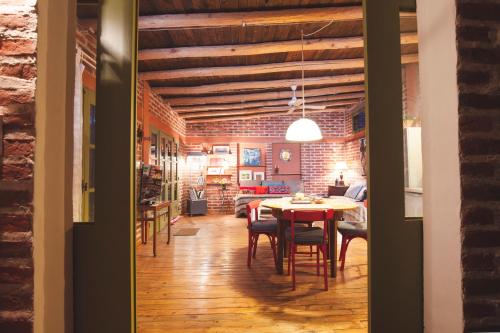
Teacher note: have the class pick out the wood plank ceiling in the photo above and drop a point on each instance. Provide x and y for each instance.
(214, 60)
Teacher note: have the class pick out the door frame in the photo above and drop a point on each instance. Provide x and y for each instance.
(105, 294)
(395, 246)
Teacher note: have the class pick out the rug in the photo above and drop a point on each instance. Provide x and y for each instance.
(187, 232)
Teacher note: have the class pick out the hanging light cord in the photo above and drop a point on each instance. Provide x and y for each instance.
(302, 62)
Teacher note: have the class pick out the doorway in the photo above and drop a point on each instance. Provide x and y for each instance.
(389, 256)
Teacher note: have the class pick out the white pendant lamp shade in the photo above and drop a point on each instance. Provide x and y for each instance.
(303, 130)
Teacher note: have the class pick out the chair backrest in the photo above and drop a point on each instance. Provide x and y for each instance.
(253, 206)
(309, 216)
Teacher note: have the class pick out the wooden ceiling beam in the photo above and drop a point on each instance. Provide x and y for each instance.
(262, 96)
(270, 109)
(239, 50)
(319, 65)
(255, 115)
(259, 85)
(232, 106)
(244, 19)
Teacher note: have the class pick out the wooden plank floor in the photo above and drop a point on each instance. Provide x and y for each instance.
(202, 284)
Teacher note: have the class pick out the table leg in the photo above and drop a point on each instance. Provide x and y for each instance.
(281, 246)
(154, 233)
(168, 224)
(332, 242)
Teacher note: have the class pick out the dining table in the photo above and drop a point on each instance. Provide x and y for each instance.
(279, 205)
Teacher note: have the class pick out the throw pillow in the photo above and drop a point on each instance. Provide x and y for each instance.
(353, 191)
(362, 194)
(249, 188)
(261, 189)
(283, 189)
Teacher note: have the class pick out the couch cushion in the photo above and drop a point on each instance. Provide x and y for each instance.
(283, 189)
(251, 183)
(261, 189)
(272, 183)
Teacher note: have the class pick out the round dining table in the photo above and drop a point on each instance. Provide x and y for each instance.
(278, 206)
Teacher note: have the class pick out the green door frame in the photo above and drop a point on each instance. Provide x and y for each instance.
(105, 250)
(395, 248)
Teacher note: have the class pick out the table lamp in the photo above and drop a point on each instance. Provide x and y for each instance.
(341, 166)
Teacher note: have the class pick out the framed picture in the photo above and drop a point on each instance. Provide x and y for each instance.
(245, 174)
(215, 171)
(259, 175)
(251, 156)
(220, 150)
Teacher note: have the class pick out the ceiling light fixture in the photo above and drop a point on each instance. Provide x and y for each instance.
(303, 129)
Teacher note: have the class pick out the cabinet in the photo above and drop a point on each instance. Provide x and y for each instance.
(337, 190)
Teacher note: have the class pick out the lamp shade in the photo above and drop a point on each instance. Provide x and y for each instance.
(341, 166)
(303, 130)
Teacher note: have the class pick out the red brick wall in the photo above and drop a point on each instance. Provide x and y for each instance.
(318, 159)
(478, 42)
(18, 22)
(331, 124)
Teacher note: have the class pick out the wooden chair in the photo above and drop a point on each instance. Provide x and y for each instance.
(257, 227)
(350, 231)
(312, 236)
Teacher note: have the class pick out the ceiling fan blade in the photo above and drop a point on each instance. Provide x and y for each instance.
(290, 111)
(315, 107)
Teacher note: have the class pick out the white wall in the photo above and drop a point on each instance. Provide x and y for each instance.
(439, 93)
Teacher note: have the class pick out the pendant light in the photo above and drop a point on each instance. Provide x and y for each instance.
(304, 129)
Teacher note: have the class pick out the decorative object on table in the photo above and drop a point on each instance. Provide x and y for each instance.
(259, 175)
(362, 155)
(221, 150)
(285, 155)
(245, 174)
(341, 166)
(215, 171)
(301, 198)
(304, 129)
(251, 157)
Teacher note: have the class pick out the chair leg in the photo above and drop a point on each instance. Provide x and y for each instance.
(289, 258)
(345, 253)
(272, 240)
(250, 247)
(325, 266)
(255, 245)
(342, 247)
(310, 251)
(294, 249)
(317, 260)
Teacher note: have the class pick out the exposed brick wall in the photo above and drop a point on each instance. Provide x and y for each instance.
(18, 41)
(317, 159)
(331, 124)
(478, 42)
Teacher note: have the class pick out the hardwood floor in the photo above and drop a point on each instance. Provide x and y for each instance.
(202, 284)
